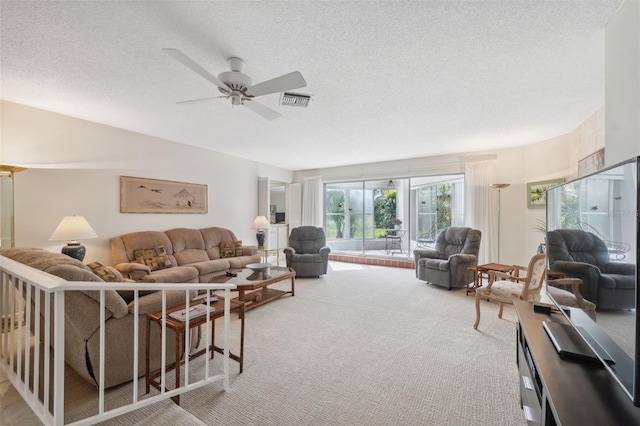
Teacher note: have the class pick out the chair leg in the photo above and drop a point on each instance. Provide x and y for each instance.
(500, 310)
(475, 326)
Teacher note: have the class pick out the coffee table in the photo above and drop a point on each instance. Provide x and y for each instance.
(252, 287)
(479, 270)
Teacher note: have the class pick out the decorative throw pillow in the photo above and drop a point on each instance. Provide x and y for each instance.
(155, 258)
(231, 249)
(107, 273)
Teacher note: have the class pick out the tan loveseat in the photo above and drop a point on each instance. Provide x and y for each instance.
(82, 318)
(180, 255)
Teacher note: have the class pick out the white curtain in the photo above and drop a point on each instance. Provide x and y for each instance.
(481, 206)
(312, 201)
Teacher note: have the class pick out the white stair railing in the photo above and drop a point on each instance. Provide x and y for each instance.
(20, 284)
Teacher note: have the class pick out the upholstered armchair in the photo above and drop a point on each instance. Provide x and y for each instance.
(307, 253)
(583, 255)
(446, 265)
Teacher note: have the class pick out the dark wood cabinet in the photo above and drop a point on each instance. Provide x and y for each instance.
(555, 391)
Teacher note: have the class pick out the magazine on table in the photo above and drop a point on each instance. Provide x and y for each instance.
(194, 312)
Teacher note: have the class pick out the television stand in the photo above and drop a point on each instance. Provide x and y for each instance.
(555, 391)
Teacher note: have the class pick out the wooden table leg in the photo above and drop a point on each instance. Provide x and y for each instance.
(147, 355)
(179, 336)
(293, 286)
(241, 300)
(241, 337)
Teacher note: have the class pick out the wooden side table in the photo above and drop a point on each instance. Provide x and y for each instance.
(479, 270)
(179, 327)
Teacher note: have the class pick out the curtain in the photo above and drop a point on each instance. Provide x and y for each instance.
(312, 201)
(481, 206)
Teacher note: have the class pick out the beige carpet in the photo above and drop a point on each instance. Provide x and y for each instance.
(364, 345)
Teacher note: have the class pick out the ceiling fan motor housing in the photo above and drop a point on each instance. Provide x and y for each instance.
(235, 79)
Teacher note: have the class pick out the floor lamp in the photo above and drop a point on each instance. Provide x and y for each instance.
(499, 187)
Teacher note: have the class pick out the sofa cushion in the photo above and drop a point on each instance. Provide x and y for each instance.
(211, 266)
(177, 274)
(213, 237)
(155, 258)
(188, 245)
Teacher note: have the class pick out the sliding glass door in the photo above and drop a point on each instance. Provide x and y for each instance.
(390, 217)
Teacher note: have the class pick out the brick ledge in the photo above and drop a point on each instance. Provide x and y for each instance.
(393, 263)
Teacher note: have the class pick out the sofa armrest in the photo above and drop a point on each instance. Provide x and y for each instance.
(621, 268)
(249, 250)
(133, 270)
(426, 252)
(153, 302)
(572, 268)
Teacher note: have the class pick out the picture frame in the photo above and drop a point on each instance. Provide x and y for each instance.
(591, 163)
(274, 209)
(536, 195)
(142, 195)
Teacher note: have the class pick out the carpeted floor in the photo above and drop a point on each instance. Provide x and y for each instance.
(363, 345)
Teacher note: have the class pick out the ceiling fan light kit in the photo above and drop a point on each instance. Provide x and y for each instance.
(239, 87)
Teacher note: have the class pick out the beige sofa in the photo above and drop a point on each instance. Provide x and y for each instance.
(180, 254)
(82, 318)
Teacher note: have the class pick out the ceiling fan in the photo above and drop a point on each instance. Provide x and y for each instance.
(238, 87)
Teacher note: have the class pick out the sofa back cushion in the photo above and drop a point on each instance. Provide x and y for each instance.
(188, 246)
(213, 237)
(135, 241)
(69, 269)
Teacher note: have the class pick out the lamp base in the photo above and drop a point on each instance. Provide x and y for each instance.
(77, 251)
(260, 236)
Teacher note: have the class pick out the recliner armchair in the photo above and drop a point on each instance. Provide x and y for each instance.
(307, 253)
(581, 254)
(446, 266)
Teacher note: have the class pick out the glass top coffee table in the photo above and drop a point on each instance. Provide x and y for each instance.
(253, 288)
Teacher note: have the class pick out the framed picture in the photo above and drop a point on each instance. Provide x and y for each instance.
(140, 195)
(536, 195)
(274, 208)
(591, 164)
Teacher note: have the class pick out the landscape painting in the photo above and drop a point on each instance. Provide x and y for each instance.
(536, 192)
(140, 195)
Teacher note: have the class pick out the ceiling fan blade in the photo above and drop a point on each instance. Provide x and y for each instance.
(264, 111)
(293, 80)
(199, 100)
(193, 66)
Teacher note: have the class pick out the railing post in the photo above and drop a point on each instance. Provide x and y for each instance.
(58, 350)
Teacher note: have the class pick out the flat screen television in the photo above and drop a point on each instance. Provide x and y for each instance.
(592, 233)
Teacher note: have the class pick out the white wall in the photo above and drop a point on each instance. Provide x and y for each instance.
(551, 159)
(74, 167)
(622, 84)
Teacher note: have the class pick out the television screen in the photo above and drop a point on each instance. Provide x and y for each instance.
(592, 229)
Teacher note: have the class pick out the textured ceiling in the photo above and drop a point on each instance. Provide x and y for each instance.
(388, 79)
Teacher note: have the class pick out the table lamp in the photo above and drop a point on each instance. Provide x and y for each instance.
(260, 223)
(73, 228)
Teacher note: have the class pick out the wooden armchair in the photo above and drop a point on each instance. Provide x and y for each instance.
(512, 286)
(571, 298)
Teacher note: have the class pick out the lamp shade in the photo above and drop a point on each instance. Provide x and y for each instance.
(260, 222)
(73, 228)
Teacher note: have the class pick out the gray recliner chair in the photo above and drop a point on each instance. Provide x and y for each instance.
(307, 253)
(581, 254)
(446, 266)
